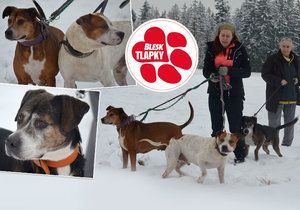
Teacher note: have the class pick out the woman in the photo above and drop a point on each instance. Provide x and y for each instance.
(281, 73)
(227, 63)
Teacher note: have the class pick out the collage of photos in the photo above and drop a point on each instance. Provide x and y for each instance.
(150, 104)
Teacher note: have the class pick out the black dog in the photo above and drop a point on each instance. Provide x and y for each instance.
(262, 135)
(47, 139)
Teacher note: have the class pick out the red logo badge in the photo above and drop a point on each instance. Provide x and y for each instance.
(162, 55)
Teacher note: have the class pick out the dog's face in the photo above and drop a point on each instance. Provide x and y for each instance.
(44, 122)
(248, 123)
(98, 28)
(21, 23)
(114, 116)
(226, 141)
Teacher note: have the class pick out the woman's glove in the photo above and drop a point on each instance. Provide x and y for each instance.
(223, 70)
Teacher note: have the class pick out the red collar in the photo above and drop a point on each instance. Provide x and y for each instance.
(45, 164)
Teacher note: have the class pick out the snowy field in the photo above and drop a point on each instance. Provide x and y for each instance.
(270, 184)
(71, 14)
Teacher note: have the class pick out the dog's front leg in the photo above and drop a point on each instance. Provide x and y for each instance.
(204, 173)
(133, 160)
(221, 170)
(256, 151)
(125, 158)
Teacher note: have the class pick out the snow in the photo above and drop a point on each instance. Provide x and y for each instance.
(272, 183)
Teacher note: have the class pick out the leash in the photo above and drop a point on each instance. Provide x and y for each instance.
(55, 14)
(124, 3)
(102, 6)
(267, 100)
(222, 99)
(178, 97)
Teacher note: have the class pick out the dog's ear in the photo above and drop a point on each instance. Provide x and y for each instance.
(122, 114)
(84, 20)
(220, 133)
(68, 111)
(33, 13)
(7, 11)
(254, 120)
(236, 136)
(29, 94)
(109, 108)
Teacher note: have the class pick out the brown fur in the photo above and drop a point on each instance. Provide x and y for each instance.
(48, 49)
(134, 132)
(92, 25)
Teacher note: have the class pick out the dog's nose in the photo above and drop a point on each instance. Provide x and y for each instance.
(121, 35)
(12, 142)
(102, 120)
(224, 148)
(8, 34)
(246, 131)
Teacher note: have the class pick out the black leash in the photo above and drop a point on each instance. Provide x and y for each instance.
(55, 14)
(124, 3)
(102, 6)
(178, 97)
(267, 100)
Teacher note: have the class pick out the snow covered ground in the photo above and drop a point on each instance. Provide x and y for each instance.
(271, 184)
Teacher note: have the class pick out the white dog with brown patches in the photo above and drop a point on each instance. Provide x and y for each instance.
(92, 49)
(204, 152)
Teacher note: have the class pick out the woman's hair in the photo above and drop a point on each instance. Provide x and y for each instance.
(224, 26)
(286, 39)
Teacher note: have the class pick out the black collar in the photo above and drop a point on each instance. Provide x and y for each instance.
(74, 52)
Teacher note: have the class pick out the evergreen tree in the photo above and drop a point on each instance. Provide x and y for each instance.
(184, 15)
(163, 14)
(223, 11)
(174, 13)
(145, 12)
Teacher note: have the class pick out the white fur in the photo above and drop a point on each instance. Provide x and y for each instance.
(249, 137)
(121, 142)
(198, 150)
(99, 65)
(153, 143)
(34, 68)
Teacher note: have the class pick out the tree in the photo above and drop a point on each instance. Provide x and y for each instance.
(145, 12)
(174, 13)
(223, 11)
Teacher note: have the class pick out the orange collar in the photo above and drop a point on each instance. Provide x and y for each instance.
(45, 164)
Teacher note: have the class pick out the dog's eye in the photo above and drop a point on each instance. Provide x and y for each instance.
(9, 21)
(40, 124)
(20, 118)
(20, 21)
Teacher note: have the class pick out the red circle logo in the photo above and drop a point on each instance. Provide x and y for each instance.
(162, 55)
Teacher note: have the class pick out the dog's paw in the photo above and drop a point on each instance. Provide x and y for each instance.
(169, 70)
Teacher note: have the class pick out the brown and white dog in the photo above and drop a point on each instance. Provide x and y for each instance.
(47, 139)
(36, 53)
(93, 50)
(137, 137)
(202, 151)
